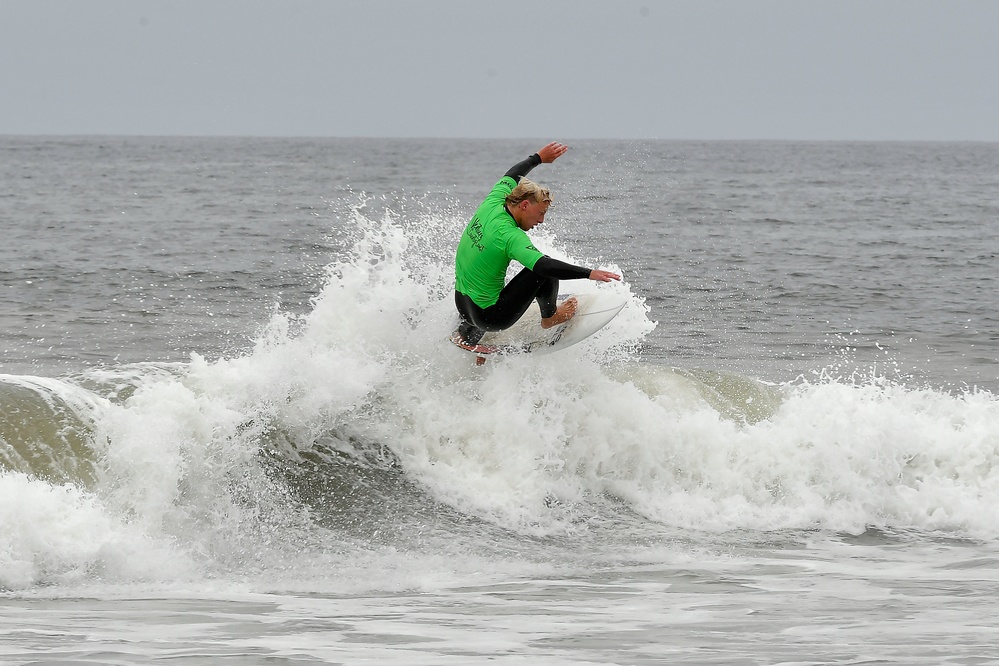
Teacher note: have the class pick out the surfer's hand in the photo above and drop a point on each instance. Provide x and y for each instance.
(552, 152)
(603, 276)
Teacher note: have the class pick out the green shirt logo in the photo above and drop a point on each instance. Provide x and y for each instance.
(489, 243)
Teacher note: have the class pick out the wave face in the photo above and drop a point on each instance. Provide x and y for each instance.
(354, 433)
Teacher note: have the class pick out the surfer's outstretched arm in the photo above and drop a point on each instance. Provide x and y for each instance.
(553, 268)
(521, 169)
(546, 155)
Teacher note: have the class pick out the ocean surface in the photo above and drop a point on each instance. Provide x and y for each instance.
(232, 430)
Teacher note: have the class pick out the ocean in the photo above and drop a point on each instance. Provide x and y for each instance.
(233, 430)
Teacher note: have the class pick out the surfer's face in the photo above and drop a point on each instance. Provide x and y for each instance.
(531, 214)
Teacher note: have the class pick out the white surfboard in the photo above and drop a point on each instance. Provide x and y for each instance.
(526, 336)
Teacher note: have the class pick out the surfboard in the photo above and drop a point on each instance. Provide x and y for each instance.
(527, 337)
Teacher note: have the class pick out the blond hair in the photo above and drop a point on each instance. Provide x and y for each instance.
(528, 190)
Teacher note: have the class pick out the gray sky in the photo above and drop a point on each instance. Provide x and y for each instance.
(690, 69)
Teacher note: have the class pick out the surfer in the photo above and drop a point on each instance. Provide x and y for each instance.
(497, 234)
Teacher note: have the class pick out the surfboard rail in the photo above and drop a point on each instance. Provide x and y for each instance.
(595, 310)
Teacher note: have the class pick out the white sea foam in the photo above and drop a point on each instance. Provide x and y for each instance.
(830, 456)
(534, 444)
(61, 534)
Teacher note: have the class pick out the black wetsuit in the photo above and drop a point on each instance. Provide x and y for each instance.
(540, 284)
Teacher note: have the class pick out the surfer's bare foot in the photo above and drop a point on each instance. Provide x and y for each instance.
(565, 312)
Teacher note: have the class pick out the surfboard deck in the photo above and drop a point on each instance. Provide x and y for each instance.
(527, 337)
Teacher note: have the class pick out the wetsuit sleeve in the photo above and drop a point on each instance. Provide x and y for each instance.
(553, 268)
(521, 169)
(520, 247)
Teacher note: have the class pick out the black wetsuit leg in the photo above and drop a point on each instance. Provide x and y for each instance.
(513, 302)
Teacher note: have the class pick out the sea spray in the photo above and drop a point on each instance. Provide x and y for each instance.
(356, 428)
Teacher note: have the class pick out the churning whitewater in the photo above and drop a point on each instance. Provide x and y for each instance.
(354, 428)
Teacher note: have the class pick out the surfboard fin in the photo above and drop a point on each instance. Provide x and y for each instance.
(477, 348)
